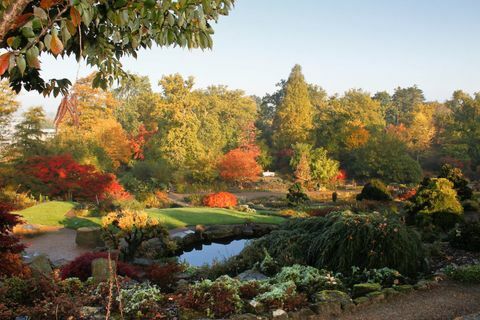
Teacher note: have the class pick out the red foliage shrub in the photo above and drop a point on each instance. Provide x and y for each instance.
(164, 276)
(81, 267)
(10, 245)
(250, 289)
(341, 175)
(62, 176)
(220, 200)
(240, 165)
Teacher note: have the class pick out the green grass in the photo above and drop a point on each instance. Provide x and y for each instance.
(52, 214)
(182, 217)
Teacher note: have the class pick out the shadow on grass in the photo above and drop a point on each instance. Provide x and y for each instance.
(78, 222)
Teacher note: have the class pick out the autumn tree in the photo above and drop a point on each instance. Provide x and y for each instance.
(404, 102)
(101, 32)
(293, 121)
(240, 165)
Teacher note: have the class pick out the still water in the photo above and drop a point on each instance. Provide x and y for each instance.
(213, 252)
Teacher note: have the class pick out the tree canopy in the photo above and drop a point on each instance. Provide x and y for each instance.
(99, 31)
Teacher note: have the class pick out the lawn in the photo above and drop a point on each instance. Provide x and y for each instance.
(53, 214)
(182, 217)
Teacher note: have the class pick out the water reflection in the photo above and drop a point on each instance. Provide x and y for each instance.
(209, 253)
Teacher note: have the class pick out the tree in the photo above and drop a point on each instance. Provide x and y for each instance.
(28, 139)
(461, 137)
(99, 31)
(8, 106)
(321, 168)
(61, 176)
(294, 116)
(240, 165)
(383, 157)
(404, 102)
(302, 170)
(385, 100)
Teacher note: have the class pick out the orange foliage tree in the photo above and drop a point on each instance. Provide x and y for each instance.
(240, 164)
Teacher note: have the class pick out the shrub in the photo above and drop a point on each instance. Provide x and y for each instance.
(220, 200)
(164, 275)
(292, 213)
(466, 236)
(471, 205)
(195, 199)
(375, 190)
(460, 183)
(437, 199)
(466, 273)
(17, 200)
(320, 212)
(133, 227)
(366, 240)
(384, 276)
(296, 195)
(81, 267)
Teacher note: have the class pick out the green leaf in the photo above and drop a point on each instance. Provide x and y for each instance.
(21, 64)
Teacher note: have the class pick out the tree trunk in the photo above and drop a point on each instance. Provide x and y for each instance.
(11, 13)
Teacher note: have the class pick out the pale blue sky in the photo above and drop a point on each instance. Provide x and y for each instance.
(341, 44)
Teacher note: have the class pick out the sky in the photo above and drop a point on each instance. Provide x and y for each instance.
(375, 45)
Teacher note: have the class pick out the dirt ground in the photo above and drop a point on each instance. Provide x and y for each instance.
(447, 301)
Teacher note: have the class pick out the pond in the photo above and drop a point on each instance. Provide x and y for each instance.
(210, 253)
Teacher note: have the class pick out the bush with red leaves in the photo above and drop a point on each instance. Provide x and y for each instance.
(62, 176)
(407, 194)
(220, 200)
(81, 267)
(164, 276)
(10, 245)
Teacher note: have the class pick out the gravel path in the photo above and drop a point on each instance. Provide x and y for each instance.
(447, 301)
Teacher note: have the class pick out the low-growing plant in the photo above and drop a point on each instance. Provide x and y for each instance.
(385, 276)
(141, 301)
(308, 279)
(164, 276)
(283, 295)
(217, 299)
(466, 273)
(375, 190)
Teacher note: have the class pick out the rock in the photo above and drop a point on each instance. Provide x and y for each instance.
(327, 309)
(422, 285)
(59, 262)
(182, 234)
(152, 249)
(302, 314)
(40, 266)
(248, 231)
(191, 239)
(22, 318)
(362, 289)
(390, 292)
(405, 288)
(279, 314)
(362, 301)
(92, 313)
(247, 316)
(89, 237)
(143, 262)
(251, 275)
(218, 232)
(101, 269)
(334, 296)
(376, 296)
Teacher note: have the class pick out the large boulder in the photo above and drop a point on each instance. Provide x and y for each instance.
(40, 266)
(251, 275)
(362, 289)
(102, 269)
(89, 237)
(334, 296)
